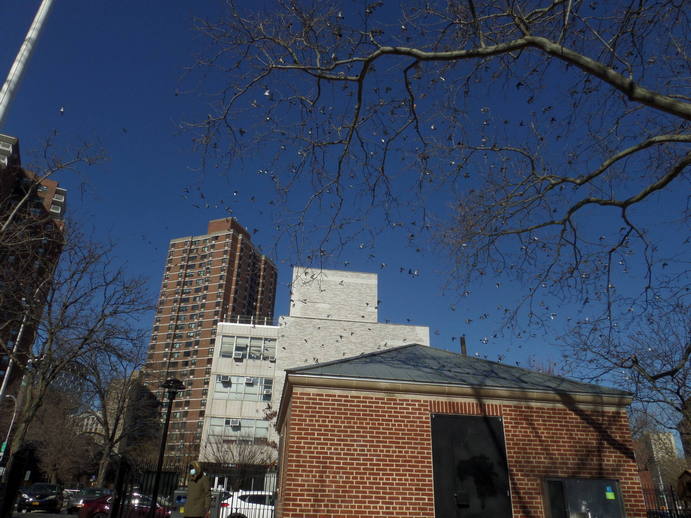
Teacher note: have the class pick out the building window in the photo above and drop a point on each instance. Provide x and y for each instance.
(239, 429)
(253, 348)
(583, 497)
(243, 388)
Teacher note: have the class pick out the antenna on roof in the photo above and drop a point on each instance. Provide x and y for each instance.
(464, 349)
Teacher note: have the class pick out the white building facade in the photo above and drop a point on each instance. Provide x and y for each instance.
(333, 314)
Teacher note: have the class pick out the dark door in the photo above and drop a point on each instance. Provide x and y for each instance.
(471, 478)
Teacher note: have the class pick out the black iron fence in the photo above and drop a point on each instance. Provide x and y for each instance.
(665, 503)
(134, 484)
(236, 492)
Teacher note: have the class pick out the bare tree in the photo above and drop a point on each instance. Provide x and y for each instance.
(64, 451)
(241, 457)
(91, 305)
(543, 142)
(126, 412)
(31, 240)
(646, 354)
(20, 190)
(656, 452)
(376, 108)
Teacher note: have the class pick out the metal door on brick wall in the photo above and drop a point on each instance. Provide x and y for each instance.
(471, 476)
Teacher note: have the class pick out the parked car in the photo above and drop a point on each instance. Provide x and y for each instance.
(76, 500)
(248, 504)
(681, 513)
(40, 497)
(68, 492)
(137, 507)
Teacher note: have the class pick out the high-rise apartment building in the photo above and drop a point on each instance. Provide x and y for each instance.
(210, 278)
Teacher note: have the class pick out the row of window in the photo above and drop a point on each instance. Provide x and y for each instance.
(196, 320)
(181, 336)
(246, 347)
(197, 248)
(238, 429)
(187, 269)
(185, 354)
(243, 388)
(203, 255)
(191, 325)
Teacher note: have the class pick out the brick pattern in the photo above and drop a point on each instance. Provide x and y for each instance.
(357, 456)
(316, 293)
(371, 455)
(568, 442)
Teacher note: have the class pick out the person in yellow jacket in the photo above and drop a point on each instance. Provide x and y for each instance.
(198, 493)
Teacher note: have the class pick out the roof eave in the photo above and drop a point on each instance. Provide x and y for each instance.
(441, 389)
(283, 405)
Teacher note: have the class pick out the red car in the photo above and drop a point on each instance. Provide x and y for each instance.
(138, 507)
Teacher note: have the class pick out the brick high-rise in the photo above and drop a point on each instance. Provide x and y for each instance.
(215, 277)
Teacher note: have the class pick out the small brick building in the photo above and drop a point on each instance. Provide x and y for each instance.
(415, 431)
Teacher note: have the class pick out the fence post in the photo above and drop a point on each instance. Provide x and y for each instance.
(674, 508)
(120, 480)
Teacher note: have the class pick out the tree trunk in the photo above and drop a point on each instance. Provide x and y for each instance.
(103, 466)
(14, 475)
(18, 454)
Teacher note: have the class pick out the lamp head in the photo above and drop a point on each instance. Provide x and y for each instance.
(173, 386)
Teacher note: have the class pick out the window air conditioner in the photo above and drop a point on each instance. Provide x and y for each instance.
(237, 356)
(267, 392)
(249, 381)
(235, 423)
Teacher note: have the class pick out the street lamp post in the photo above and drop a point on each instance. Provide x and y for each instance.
(172, 387)
(16, 346)
(9, 430)
(22, 57)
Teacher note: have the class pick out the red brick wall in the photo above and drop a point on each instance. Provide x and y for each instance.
(371, 455)
(559, 442)
(357, 456)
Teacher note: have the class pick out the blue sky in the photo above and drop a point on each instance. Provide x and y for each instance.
(119, 71)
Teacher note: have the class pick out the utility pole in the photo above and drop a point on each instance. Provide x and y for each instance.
(22, 58)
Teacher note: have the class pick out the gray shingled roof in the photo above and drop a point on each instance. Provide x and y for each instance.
(421, 364)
